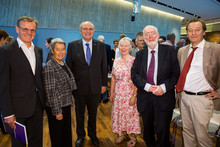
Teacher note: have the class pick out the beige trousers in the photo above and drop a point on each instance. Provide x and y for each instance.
(196, 111)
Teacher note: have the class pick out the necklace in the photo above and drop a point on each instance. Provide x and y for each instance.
(61, 63)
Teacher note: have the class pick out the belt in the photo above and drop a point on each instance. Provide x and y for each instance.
(197, 93)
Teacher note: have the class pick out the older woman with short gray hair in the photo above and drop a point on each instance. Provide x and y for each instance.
(125, 117)
(59, 84)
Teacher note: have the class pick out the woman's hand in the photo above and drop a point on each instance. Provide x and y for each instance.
(59, 116)
(112, 97)
(132, 100)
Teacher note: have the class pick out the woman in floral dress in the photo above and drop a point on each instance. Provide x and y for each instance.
(125, 117)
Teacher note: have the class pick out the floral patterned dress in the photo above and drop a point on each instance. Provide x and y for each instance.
(124, 117)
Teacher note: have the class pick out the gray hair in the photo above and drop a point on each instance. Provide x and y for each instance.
(27, 19)
(126, 39)
(85, 22)
(101, 38)
(56, 40)
(139, 34)
(149, 26)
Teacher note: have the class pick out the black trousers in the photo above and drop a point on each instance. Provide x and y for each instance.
(156, 122)
(34, 128)
(60, 130)
(92, 102)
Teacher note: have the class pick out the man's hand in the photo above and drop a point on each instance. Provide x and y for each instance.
(59, 116)
(158, 91)
(103, 89)
(152, 88)
(11, 121)
(212, 95)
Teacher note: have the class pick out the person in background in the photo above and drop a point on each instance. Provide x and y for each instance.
(49, 55)
(198, 84)
(117, 52)
(162, 39)
(139, 43)
(170, 40)
(3, 40)
(115, 43)
(9, 39)
(101, 38)
(125, 118)
(133, 43)
(3, 37)
(87, 60)
(22, 93)
(155, 73)
(59, 84)
(108, 52)
(180, 44)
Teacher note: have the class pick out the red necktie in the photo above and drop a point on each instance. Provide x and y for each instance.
(181, 82)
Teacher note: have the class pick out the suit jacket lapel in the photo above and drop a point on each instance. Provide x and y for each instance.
(160, 62)
(22, 56)
(81, 51)
(94, 50)
(38, 59)
(145, 60)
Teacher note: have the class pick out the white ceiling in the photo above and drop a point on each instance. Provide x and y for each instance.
(208, 10)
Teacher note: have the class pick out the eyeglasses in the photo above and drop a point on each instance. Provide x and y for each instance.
(87, 29)
(26, 30)
(150, 34)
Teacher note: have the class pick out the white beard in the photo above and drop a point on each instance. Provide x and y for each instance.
(152, 44)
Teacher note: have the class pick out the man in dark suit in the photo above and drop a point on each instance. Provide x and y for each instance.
(21, 88)
(101, 38)
(87, 60)
(155, 72)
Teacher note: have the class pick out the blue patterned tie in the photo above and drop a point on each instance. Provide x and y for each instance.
(150, 73)
(88, 54)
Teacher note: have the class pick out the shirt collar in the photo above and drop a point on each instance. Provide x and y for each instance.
(21, 43)
(84, 42)
(200, 45)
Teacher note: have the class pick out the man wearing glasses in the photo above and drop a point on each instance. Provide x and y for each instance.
(155, 73)
(139, 41)
(21, 89)
(88, 62)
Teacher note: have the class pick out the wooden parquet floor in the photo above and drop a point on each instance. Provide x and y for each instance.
(104, 131)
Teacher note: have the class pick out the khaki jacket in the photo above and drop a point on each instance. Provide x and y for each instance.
(211, 66)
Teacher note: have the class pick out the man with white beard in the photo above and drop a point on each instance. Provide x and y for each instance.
(155, 73)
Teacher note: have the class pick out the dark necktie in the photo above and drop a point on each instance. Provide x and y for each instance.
(88, 54)
(181, 82)
(150, 73)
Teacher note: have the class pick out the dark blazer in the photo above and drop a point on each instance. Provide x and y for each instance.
(168, 73)
(18, 83)
(58, 86)
(109, 57)
(89, 79)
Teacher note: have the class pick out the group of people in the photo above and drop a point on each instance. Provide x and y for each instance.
(143, 83)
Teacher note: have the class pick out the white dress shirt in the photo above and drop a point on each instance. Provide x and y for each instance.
(29, 53)
(195, 79)
(147, 86)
